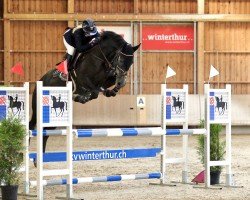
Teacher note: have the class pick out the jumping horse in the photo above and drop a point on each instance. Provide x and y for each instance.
(95, 71)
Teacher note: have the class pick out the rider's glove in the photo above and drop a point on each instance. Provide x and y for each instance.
(94, 41)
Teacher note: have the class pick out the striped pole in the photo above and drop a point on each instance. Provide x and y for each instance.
(185, 131)
(121, 132)
(112, 178)
(118, 132)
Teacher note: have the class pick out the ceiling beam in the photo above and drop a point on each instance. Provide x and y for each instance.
(133, 17)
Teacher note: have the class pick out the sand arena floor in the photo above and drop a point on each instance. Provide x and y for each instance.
(140, 189)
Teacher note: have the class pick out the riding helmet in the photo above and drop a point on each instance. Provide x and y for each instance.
(89, 27)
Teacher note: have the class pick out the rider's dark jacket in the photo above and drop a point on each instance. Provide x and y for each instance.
(77, 38)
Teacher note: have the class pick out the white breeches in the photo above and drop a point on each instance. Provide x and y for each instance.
(70, 49)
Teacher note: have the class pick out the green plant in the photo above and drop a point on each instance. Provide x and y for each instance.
(12, 134)
(217, 147)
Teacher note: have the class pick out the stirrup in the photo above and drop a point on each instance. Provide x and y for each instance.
(63, 77)
(56, 73)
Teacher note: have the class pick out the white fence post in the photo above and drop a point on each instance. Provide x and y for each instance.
(46, 117)
(218, 111)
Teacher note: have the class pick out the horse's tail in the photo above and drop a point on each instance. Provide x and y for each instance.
(66, 105)
(183, 103)
(226, 104)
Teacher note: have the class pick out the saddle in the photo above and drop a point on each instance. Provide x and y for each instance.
(72, 66)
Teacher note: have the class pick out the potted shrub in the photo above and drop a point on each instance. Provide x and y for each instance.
(12, 134)
(217, 150)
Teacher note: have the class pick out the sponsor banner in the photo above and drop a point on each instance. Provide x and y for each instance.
(218, 104)
(99, 155)
(168, 37)
(124, 31)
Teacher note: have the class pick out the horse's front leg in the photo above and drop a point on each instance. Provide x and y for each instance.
(82, 98)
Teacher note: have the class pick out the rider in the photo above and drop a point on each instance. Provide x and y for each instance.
(80, 38)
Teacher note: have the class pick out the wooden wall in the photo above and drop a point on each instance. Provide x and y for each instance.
(227, 46)
(37, 6)
(167, 6)
(1, 41)
(154, 71)
(104, 6)
(38, 44)
(227, 6)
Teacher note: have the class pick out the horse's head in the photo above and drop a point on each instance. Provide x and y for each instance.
(120, 55)
(125, 58)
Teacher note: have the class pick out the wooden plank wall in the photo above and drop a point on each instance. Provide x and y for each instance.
(154, 64)
(104, 6)
(167, 6)
(1, 41)
(229, 52)
(38, 44)
(227, 7)
(227, 45)
(154, 71)
(37, 6)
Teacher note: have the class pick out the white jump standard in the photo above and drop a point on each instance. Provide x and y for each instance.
(46, 118)
(214, 115)
(16, 99)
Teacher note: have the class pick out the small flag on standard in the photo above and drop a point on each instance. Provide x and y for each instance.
(18, 69)
(213, 72)
(170, 72)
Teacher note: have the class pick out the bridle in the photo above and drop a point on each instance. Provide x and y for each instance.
(111, 64)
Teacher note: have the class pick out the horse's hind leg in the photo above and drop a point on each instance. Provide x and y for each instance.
(45, 138)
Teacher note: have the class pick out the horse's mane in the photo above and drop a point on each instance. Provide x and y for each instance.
(113, 36)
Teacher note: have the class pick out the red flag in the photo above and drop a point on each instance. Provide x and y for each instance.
(17, 69)
(199, 178)
(62, 67)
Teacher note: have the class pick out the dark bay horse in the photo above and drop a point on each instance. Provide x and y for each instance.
(105, 65)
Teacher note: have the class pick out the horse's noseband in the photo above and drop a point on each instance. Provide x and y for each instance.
(113, 65)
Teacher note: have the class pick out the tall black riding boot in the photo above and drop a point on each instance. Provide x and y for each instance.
(69, 60)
